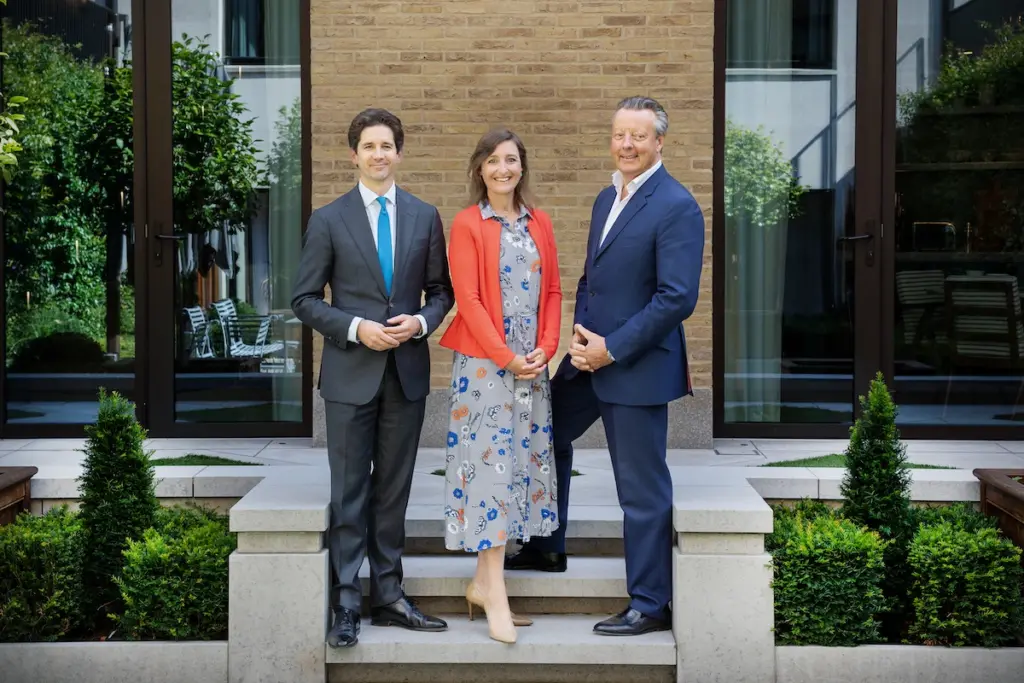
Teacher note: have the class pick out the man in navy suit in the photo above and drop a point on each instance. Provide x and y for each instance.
(627, 359)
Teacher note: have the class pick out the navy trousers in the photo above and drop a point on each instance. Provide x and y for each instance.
(637, 441)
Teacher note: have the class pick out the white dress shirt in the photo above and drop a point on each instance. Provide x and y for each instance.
(373, 209)
(631, 189)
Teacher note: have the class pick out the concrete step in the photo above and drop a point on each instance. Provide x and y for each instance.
(590, 585)
(552, 640)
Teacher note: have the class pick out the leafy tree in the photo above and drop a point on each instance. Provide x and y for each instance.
(9, 147)
(215, 169)
(54, 248)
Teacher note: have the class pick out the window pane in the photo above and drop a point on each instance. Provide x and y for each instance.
(789, 188)
(237, 209)
(68, 234)
(959, 328)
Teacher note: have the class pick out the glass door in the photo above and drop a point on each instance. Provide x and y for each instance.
(797, 228)
(70, 290)
(955, 172)
(227, 210)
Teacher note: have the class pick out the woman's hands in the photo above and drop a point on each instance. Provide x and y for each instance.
(529, 366)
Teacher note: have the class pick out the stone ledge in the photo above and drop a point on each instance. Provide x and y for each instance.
(903, 663)
(731, 509)
(551, 640)
(448, 576)
(284, 504)
(114, 662)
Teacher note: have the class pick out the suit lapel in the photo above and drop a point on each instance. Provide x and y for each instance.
(636, 203)
(599, 219)
(354, 217)
(406, 229)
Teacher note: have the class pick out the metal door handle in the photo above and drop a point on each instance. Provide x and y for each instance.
(854, 238)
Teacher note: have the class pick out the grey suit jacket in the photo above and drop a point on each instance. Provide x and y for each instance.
(338, 249)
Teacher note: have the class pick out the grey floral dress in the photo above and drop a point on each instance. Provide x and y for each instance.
(500, 468)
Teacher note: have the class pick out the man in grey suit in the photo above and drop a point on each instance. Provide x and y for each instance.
(382, 251)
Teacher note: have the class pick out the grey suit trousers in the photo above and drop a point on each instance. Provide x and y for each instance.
(368, 509)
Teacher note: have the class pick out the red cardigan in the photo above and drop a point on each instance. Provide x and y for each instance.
(478, 329)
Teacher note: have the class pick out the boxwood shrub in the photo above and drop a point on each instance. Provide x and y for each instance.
(966, 587)
(174, 585)
(828, 576)
(40, 577)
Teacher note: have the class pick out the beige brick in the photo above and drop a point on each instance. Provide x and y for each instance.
(550, 69)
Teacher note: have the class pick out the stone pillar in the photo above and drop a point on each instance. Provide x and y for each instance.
(278, 594)
(723, 606)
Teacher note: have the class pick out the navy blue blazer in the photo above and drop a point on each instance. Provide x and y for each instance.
(638, 287)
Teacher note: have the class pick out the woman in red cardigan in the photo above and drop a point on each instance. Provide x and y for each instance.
(500, 458)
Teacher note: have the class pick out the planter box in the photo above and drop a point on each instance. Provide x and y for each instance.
(114, 662)
(1003, 498)
(902, 663)
(15, 492)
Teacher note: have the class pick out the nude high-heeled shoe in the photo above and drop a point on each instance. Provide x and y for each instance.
(473, 594)
(503, 633)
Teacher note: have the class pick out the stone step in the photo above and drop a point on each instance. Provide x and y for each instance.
(590, 585)
(585, 577)
(552, 640)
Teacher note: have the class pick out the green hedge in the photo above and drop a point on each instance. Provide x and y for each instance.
(966, 587)
(174, 585)
(40, 577)
(828, 578)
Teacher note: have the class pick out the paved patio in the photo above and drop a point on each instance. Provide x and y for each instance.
(727, 452)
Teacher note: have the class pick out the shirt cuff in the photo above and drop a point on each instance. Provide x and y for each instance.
(423, 327)
(353, 329)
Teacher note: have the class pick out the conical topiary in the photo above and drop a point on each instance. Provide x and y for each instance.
(876, 486)
(118, 500)
(876, 493)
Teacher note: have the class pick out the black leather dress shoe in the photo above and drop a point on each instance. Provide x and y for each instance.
(404, 613)
(528, 558)
(345, 631)
(629, 622)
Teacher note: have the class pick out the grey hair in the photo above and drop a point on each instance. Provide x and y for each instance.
(641, 103)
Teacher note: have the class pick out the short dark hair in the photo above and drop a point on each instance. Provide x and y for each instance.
(375, 117)
(484, 148)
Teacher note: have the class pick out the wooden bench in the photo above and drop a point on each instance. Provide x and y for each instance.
(15, 491)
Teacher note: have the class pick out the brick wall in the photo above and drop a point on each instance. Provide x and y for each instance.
(552, 71)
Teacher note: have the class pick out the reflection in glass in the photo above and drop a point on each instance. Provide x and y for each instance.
(789, 172)
(237, 211)
(959, 330)
(67, 228)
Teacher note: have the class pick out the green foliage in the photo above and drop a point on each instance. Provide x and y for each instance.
(118, 500)
(9, 146)
(175, 580)
(828, 575)
(993, 77)
(960, 515)
(77, 166)
(284, 163)
(759, 184)
(215, 167)
(876, 484)
(966, 588)
(876, 492)
(787, 519)
(40, 576)
(55, 249)
(58, 352)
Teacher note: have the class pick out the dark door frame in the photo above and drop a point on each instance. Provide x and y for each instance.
(869, 162)
(157, 250)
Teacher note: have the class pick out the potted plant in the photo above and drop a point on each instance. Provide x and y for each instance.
(1002, 497)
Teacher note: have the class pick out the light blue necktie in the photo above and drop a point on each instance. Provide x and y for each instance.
(384, 243)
